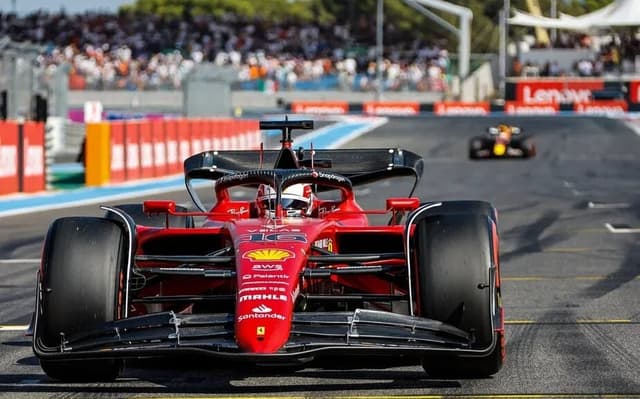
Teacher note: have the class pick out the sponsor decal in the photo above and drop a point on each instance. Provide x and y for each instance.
(325, 243)
(146, 150)
(281, 236)
(262, 297)
(34, 160)
(461, 108)
(268, 254)
(261, 289)
(260, 331)
(172, 151)
(158, 154)
(557, 91)
(254, 316)
(518, 108)
(262, 276)
(240, 211)
(252, 289)
(320, 107)
(262, 309)
(262, 267)
(601, 107)
(133, 160)
(8, 160)
(391, 108)
(117, 157)
(634, 91)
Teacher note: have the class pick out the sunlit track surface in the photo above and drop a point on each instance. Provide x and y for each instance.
(571, 286)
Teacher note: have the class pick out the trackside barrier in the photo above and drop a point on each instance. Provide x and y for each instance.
(9, 176)
(22, 157)
(159, 147)
(174, 165)
(120, 151)
(31, 154)
(455, 108)
(97, 154)
(147, 167)
(117, 156)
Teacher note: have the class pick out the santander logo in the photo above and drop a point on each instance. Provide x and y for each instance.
(262, 309)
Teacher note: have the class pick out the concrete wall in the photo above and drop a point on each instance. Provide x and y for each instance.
(172, 101)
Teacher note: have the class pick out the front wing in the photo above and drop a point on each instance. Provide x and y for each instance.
(365, 332)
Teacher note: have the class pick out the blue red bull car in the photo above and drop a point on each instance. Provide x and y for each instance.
(502, 141)
(296, 273)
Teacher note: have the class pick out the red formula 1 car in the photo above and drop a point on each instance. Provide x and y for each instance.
(502, 141)
(299, 273)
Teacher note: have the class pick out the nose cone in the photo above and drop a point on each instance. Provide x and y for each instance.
(263, 322)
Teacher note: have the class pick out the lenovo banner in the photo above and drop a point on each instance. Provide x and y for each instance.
(461, 108)
(634, 91)
(564, 91)
(320, 107)
(9, 177)
(132, 150)
(518, 108)
(391, 108)
(603, 107)
(117, 154)
(32, 168)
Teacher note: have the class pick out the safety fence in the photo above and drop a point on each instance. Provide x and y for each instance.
(119, 151)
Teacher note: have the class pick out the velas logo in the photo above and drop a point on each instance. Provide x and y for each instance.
(270, 254)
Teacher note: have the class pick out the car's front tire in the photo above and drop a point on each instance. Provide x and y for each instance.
(454, 262)
(81, 288)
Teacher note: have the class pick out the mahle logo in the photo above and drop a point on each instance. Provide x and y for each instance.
(270, 254)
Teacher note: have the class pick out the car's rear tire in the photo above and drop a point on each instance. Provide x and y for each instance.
(526, 145)
(81, 285)
(454, 259)
(153, 220)
(475, 145)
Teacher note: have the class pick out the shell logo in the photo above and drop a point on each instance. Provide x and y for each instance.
(268, 254)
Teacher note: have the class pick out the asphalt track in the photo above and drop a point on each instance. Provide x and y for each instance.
(570, 264)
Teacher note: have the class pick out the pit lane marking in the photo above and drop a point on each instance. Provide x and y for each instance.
(621, 229)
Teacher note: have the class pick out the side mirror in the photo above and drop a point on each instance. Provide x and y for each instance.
(159, 206)
(403, 204)
(493, 131)
(515, 130)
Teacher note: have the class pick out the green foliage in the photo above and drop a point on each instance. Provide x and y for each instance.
(403, 18)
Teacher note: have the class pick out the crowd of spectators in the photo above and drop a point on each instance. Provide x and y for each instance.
(617, 54)
(107, 51)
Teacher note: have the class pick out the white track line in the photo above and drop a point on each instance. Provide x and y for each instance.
(13, 327)
(19, 261)
(605, 205)
(621, 230)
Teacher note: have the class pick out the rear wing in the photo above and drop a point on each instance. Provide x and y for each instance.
(358, 165)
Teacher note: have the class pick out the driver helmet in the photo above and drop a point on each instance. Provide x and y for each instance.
(296, 200)
(504, 130)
